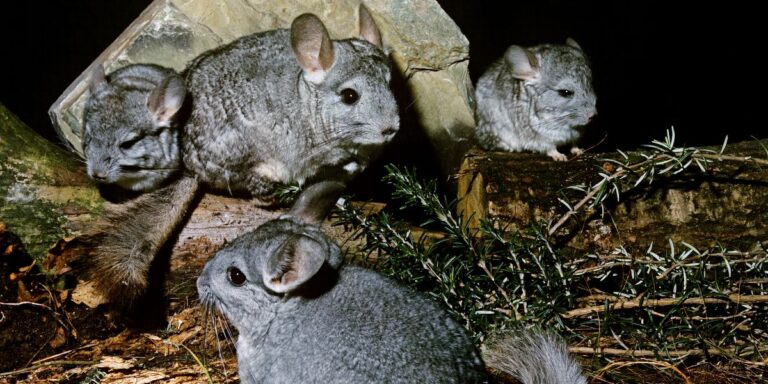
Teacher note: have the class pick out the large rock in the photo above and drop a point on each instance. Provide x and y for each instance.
(427, 47)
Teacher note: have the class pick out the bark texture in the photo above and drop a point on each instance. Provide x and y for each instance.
(727, 204)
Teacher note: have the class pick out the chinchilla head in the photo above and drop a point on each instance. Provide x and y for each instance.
(249, 278)
(130, 137)
(348, 88)
(557, 80)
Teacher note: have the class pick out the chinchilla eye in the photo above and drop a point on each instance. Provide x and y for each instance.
(349, 96)
(565, 93)
(235, 276)
(128, 143)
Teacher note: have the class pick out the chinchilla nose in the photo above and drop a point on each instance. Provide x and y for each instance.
(592, 115)
(99, 174)
(388, 131)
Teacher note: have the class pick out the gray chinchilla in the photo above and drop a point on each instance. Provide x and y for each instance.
(287, 106)
(303, 318)
(535, 99)
(131, 130)
(272, 108)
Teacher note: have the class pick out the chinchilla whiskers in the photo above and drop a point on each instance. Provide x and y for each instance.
(209, 312)
(226, 330)
(206, 317)
(214, 316)
(566, 119)
(321, 148)
(408, 107)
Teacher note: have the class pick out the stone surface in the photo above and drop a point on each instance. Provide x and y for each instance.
(427, 47)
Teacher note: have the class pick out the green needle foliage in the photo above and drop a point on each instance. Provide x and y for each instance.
(669, 302)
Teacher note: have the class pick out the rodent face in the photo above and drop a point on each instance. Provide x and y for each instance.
(357, 104)
(232, 281)
(122, 143)
(565, 98)
(249, 278)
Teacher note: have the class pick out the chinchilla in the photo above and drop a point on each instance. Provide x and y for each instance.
(535, 99)
(268, 109)
(131, 126)
(287, 106)
(303, 318)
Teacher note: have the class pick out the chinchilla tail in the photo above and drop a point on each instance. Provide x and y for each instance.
(122, 251)
(533, 357)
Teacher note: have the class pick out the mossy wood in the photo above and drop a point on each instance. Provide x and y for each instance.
(727, 204)
(45, 196)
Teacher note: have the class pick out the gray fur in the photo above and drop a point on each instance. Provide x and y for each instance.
(365, 328)
(131, 135)
(134, 234)
(546, 358)
(357, 326)
(259, 120)
(316, 201)
(519, 101)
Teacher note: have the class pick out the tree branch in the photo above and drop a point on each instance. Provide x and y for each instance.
(631, 304)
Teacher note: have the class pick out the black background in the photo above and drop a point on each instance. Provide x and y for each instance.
(695, 67)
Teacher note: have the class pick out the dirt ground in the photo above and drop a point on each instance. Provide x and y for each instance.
(46, 335)
(50, 334)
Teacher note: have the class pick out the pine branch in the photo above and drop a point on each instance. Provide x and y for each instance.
(662, 158)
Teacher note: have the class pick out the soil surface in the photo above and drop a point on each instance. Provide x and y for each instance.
(47, 336)
(48, 333)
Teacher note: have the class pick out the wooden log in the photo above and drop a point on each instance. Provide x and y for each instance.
(45, 194)
(728, 204)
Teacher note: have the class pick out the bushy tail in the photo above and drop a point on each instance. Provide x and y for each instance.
(533, 357)
(122, 252)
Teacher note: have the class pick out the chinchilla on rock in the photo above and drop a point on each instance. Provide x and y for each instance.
(286, 106)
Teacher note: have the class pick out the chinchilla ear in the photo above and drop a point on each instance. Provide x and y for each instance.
(314, 203)
(166, 99)
(368, 29)
(98, 79)
(572, 43)
(525, 65)
(293, 264)
(312, 46)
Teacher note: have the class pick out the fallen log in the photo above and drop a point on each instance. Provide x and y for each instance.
(46, 196)
(726, 204)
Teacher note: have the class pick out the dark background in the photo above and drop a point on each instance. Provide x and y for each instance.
(655, 65)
